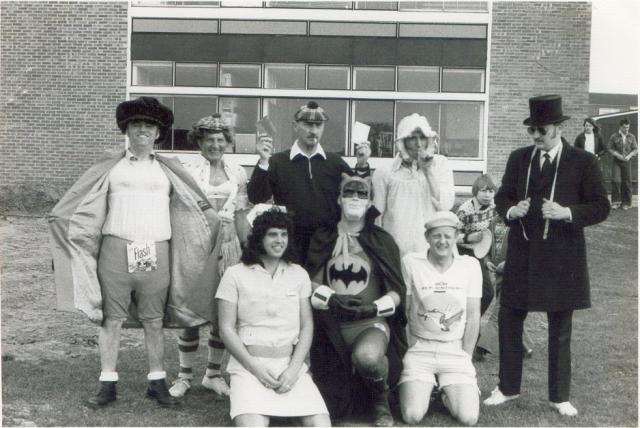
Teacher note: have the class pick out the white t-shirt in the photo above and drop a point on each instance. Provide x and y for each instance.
(268, 308)
(438, 309)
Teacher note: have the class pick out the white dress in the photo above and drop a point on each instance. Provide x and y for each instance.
(403, 197)
(268, 314)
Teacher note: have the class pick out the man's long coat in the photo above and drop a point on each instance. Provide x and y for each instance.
(76, 227)
(550, 275)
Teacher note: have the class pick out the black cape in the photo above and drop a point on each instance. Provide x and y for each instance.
(330, 358)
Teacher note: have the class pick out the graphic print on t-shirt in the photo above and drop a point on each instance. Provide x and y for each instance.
(348, 275)
(440, 312)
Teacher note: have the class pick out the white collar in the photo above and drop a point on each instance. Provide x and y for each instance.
(552, 153)
(128, 154)
(295, 151)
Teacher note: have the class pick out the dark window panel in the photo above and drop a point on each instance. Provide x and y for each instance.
(188, 110)
(379, 116)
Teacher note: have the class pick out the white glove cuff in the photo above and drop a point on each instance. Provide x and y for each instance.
(385, 306)
(320, 297)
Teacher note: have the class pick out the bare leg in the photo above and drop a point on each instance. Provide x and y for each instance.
(109, 342)
(414, 400)
(251, 420)
(463, 401)
(154, 342)
(321, 420)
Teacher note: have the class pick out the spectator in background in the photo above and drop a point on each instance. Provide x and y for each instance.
(418, 184)
(305, 179)
(622, 146)
(590, 140)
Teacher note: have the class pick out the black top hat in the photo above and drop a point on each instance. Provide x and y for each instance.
(544, 110)
(144, 108)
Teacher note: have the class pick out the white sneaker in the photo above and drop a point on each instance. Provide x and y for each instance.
(180, 387)
(565, 408)
(216, 384)
(497, 397)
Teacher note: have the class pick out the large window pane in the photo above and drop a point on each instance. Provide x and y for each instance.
(193, 74)
(152, 73)
(240, 75)
(242, 114)
(328, 77)
(281, 110)
(418, 79)
(374, 78)
(284, 76)
(462, 80)
(461, 129)
(379, 116)
(188, 110)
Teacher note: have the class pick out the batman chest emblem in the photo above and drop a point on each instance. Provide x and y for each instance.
(348, 276)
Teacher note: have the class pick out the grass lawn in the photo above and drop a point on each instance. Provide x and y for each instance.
(50, 360)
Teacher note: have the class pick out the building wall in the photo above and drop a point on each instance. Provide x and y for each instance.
(63, 71)
(537, 48)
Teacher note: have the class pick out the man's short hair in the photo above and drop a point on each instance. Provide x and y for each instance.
(624, 122)
(481, 182)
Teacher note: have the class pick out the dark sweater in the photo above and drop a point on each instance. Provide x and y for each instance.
(310, 192)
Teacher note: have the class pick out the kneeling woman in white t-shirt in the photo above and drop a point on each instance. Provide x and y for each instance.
(266, 324)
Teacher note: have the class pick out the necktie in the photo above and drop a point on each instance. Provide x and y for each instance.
(547, 169)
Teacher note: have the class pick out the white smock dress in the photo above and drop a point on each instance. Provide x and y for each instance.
(403, 197)
(268, 315)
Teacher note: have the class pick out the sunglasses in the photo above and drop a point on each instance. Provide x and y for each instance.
(532, 130)
(351, 193)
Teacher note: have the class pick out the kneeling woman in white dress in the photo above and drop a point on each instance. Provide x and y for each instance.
(266, 324)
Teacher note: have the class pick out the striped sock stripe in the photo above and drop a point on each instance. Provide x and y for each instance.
(192, 348)
(213, 366)
(186, 370)
(216, 343)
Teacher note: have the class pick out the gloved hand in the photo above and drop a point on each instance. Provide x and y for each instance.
(342, 306)
(365, 311)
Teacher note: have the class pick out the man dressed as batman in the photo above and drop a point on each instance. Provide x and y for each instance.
(359, 338)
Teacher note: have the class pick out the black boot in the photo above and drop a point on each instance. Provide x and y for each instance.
(104, 397)
(379, 392)
(158, 391)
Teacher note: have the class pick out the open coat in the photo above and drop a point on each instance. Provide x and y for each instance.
(330, 358)
(550, 275)
(76, 227)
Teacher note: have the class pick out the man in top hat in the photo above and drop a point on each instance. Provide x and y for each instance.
(305, 179)
(550, 191)
(130, 259)
(359, 337)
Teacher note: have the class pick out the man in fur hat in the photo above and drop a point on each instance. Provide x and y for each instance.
(550, 191)
(359, 300)
(128, 250)
(304, 178)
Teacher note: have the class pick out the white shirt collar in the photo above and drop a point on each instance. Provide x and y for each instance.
(295, 151)
(130, 156)
(552, 153)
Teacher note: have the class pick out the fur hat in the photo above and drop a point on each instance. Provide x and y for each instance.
(144, 108)
(442, 218)
(311, 112)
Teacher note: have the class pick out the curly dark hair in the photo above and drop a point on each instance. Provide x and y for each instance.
(194, 136)
(253, 249)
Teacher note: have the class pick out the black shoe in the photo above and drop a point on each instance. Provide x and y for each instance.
(104, 397)
(158, 391)
(379, 392)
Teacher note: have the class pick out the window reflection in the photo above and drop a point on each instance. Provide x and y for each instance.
(240, 75)
(379, 116)
(242, 114)
(462, 80)
(152, 73)
(461, 131)
(284, 76)
(374, 78)
(328, 77)
(418, 79)
(193, 74)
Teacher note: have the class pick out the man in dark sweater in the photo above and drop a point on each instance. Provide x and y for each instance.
(305, 179)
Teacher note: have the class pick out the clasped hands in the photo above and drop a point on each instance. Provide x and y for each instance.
(281, 384)
(346, 307)
(550, 210)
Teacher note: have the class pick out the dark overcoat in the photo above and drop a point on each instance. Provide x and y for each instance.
(599, 148)
(550, 274)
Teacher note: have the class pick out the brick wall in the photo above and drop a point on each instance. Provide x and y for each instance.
(537, 48)
(63, 71)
